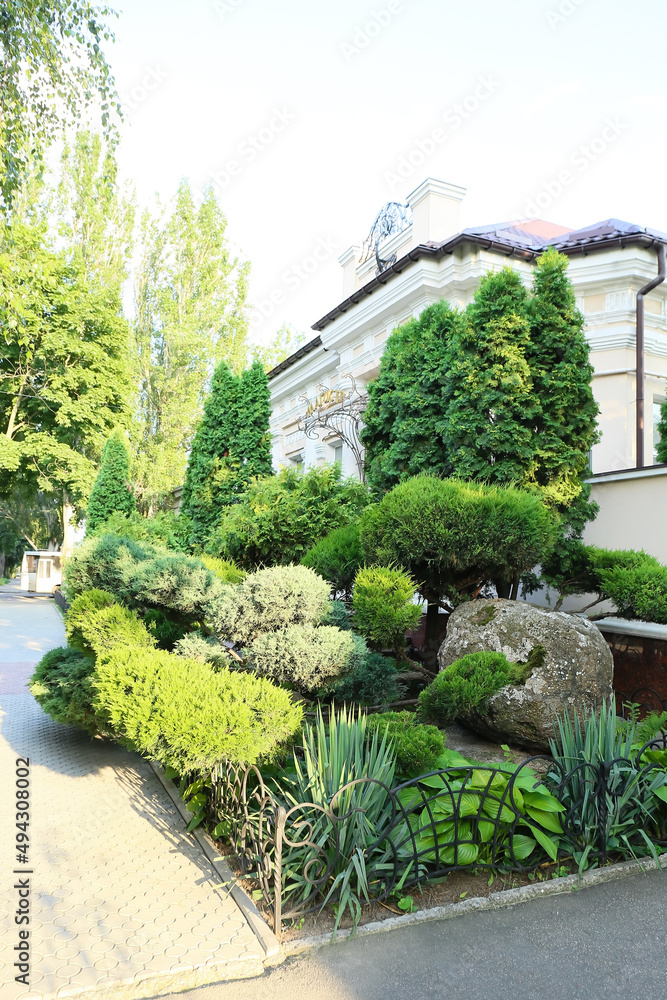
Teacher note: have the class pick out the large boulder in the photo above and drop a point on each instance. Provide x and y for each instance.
(575, 671)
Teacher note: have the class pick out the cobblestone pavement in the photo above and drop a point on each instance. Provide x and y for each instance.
(122, 898)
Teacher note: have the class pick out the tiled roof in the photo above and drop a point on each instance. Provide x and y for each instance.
(526, 238)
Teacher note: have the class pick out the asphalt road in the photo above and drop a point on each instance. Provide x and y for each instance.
(605, 942)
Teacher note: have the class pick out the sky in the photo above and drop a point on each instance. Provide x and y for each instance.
(307, 117)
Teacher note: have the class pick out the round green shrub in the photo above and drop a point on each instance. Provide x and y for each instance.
(95, 623)
(225, 569)
(374, 681)
(181, 713)
(306, 656)
(337, 558)
(383, 606)
(62, 686)
(465, 685)
(417, 747)
(204, 649)
(267, 600)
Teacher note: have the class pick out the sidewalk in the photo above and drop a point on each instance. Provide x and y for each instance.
(122, 899)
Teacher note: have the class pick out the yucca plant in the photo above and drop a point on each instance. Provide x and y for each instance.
(329, 850)
(612, 795)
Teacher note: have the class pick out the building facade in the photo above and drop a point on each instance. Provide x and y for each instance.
(417, 254)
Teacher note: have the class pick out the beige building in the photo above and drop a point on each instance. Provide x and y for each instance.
(416, 254)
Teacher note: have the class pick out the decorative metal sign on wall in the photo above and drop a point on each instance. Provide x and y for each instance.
(392, 218)
(340, 412)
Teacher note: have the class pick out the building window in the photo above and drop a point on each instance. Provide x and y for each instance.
(297, 459)
(338, 453)
(657, 404)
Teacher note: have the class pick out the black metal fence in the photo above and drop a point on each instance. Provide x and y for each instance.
(383, 840)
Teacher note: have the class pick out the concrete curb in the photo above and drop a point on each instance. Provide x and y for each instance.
(273, 952)
(495, 901)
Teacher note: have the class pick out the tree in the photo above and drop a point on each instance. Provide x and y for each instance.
(455, 537)
(232, 444)
(64, 378)
(491, 416)
(286, 342)
(661, 451)
(405, 430)
(51, 68)
(565, 427)
(111, 491)
(190, 293)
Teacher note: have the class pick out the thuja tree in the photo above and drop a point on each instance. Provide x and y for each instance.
(111, 491)
(231, 445)
(405, 430)
(491, 416)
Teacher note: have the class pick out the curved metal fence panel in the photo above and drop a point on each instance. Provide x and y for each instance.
(497, 816)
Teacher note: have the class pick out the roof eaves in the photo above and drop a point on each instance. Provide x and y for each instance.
(305, 349)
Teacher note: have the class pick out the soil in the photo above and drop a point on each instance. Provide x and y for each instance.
(450, 889)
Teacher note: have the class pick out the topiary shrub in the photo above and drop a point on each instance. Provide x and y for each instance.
(374, 681)
(467, 684)
(634, 581)
(280, 517)
(62, 686)
(306, 656)
(196, 646)
(417, 747)
(337, 558)
(267, 600)
(111, 492)
(179, 712)
(95, 623)
(383, 607)
(337, 614)
(225, 569)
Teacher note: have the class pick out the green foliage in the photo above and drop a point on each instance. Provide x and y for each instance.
(111, 493)
(636, 792)
(79, 613)
(405, 430)
(224, 569)
(649, 727)
(196, 646)
(280, 517)
(62, 686)
(53, 69)
(337, 557)
(169, 590)
(383, 607)
(373, 681)
(267, 600)
(63, 335)
(331, 757)
(97, 626)
(417, 747)
(191, 291)
(464, 686)
(306, 656)
(162, 529)
(661, 450)
(231, 446)
(179, 712)
(337, 614)
(454, 537)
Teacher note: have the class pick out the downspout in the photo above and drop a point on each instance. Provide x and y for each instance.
(639, 418)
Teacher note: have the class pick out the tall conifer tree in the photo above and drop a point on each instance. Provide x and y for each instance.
(232, 444)
(111, 492)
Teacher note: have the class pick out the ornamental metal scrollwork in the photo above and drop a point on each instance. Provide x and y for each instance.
(340, 412)
(392, 218)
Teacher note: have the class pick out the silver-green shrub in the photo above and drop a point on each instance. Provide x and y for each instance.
(266, 601)
(306, 656)
(203, 649)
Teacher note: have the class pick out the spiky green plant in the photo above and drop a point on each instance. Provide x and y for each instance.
(326, 772)
(614, 798)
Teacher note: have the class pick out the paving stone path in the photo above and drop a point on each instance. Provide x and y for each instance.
(123, 901)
